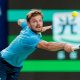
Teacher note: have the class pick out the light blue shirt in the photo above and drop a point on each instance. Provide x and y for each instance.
(21, 47)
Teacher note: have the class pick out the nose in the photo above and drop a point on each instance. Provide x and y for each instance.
(38, 23)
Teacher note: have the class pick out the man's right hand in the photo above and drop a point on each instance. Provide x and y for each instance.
(20, 21)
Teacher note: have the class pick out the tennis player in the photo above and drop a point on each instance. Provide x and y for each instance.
(12, 57)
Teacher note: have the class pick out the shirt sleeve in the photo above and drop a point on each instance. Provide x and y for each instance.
(23, 24)
(32, 41)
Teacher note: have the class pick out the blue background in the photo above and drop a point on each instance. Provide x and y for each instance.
(3, 24)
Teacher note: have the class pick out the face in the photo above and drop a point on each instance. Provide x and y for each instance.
(36, 23)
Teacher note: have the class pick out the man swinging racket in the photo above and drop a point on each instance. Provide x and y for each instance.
(12, 57)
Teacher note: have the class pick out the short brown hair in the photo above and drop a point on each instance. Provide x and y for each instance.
(32, 13)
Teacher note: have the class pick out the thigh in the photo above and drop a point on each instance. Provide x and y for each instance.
(3, 74)
(13, 74)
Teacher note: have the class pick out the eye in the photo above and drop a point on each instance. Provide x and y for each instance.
(33, 21)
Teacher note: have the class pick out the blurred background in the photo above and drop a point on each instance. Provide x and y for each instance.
(42, 64)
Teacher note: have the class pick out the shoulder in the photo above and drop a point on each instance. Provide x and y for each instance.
(32, 40)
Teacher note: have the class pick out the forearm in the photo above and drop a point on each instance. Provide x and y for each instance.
(54, 46)
(46, 28)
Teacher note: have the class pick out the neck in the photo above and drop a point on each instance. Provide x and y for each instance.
(35, 31)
